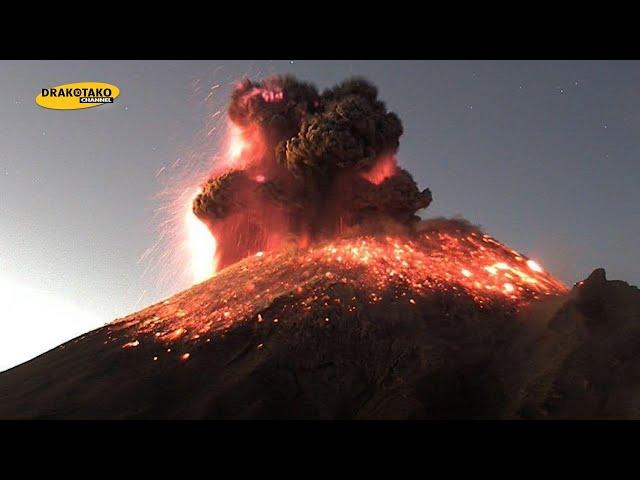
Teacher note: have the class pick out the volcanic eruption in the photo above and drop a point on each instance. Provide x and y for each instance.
(307, 166)
(334, 299)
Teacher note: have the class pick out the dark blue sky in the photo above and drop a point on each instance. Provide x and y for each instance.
(544, 155)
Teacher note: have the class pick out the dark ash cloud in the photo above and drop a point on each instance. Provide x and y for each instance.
(315, 165)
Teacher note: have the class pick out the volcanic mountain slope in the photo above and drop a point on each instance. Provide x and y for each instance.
(443, 325)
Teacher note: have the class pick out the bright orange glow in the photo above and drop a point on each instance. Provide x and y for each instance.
(133, 344)
(383, 169)
(200, 244)
(534, 266)
(391, 269)
(241, 147)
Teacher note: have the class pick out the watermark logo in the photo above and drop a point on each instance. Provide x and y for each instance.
(74, 96)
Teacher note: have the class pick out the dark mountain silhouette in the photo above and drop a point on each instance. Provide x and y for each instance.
(301, 334)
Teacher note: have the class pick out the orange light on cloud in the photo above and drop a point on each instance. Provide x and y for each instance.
(201, 245)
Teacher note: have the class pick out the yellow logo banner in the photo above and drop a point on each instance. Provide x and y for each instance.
(74, 96)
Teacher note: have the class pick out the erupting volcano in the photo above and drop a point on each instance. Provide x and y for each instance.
(459, 261)
(332, 298)
(304, 166)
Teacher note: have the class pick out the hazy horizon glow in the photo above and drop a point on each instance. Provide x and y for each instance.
(36, 321)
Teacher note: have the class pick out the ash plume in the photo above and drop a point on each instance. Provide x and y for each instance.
(449, 224)
(307, 165)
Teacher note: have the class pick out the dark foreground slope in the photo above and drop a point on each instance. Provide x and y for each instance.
(313, 344)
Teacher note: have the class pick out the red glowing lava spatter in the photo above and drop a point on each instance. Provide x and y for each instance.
(390, 269)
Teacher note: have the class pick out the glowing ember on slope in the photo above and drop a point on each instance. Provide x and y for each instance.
(370, 269)
(534, 266)
(473, 262)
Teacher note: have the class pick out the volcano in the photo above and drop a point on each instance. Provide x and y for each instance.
(335, 300)
(449, 323)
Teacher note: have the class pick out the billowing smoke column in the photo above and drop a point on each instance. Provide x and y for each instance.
(308, 166)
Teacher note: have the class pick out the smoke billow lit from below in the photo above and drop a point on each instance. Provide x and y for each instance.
(200, 244)
(298, 168)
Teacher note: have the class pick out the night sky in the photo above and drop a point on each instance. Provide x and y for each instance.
(543, 154)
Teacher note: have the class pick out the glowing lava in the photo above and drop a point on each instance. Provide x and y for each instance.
(348, 274)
